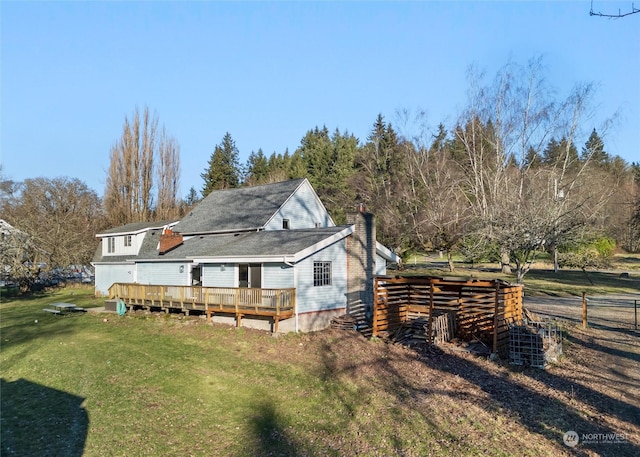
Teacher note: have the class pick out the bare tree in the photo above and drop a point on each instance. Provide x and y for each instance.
(19, 257)
(129, 189)
(522, 207)
(617, 15)
(59, 217)
(168, 175)
(437, 210)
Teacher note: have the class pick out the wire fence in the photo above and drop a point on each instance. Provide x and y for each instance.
(611, 312)
(614, 312)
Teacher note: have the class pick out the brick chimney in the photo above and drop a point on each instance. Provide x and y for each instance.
(169, 241)
(361, 261)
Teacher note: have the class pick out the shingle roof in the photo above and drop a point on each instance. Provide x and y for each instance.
(134, 227)
(237, 209)
(246, 244)
(263, 243)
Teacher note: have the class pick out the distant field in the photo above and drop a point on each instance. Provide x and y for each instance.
(622, 278)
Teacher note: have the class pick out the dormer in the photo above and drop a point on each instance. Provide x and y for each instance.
(127, 239)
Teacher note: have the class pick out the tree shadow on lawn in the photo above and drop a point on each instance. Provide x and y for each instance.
(605, 349)
(270, 437)
(545, 414)
(37, 420)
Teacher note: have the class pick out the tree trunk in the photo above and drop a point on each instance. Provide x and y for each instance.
(505, 262)
(556, 267)
(450, 261)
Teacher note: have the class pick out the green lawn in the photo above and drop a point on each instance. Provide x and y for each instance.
(158, 385)
(542, 280)
(166, 385)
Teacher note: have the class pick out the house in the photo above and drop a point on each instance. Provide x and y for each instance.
(275, 239)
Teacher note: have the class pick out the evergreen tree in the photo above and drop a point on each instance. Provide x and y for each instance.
(257, 169)
(192, 197)
(328, 162)
(223, 171)
(439, 139)
(532, 159)
(557, 152)
(295, 166)
(594, 150)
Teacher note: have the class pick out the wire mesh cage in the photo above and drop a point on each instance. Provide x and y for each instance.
(534, 344)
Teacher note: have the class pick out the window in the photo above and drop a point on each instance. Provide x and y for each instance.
(285, 224)
(111, 245)
(321, 274)
(127, 240)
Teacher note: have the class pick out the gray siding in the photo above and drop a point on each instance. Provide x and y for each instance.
(277, 276)
(163, 273)
(303, 210)
(381, 266)
(214, 275)
(108, 274)
(310, 298)
(120, 248)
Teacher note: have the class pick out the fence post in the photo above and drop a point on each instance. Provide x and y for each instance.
(584, 310)
(431, 307)
(496, 307)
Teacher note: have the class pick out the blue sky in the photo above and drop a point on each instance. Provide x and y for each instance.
(267, 72)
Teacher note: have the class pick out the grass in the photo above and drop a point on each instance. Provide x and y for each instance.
(156, 385)
(541, 279)
(147, 385)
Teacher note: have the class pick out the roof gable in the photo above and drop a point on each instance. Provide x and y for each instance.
(244, 208)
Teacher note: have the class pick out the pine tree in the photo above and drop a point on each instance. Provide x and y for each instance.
(257, 169)
(223, 171)
(192, 197)
(594, 150)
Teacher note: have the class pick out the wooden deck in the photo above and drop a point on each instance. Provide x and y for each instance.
(276, 304)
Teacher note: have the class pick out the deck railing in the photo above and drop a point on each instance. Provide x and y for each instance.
(276, 303)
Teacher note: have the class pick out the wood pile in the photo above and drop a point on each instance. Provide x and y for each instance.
(411, 333)
(344, 322)
(483, 309)
(354, 319)
(415, 332)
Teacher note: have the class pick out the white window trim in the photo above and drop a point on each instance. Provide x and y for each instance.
(322, 273)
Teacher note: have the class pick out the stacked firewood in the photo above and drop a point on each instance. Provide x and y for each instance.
(411, 333)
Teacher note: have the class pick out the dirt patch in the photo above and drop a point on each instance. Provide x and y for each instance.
(594, 390)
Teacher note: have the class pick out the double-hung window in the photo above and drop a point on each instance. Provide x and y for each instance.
(127, 240)
(321, 274)
(111, 245)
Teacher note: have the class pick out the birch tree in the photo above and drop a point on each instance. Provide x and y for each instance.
(522, 207)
